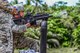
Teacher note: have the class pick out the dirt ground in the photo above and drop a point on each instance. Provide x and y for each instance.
(64, 50)
(59, 50)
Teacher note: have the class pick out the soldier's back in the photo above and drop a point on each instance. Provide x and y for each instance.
(6, 37)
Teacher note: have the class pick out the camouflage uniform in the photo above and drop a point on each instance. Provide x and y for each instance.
(20, 42)
(6, 27)
(6, 36)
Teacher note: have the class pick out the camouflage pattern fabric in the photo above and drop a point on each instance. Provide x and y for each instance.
(6, 37)
(6, 27)
(20, 42)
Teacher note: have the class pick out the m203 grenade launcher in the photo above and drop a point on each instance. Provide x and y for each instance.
(32, 19)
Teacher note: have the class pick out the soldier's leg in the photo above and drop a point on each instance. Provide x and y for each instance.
(33, 44)
(29, 42)
(20, 41)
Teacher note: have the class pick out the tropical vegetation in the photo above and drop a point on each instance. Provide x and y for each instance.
(63, 26)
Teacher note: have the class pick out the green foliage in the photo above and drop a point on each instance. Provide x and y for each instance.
(16, 1)
(28, 2)
(66, 28)
(66, 44)
(33, 33)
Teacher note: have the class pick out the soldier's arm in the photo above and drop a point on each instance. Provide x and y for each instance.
(18, 28)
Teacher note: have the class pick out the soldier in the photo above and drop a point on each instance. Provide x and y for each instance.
(20, 41)
(6, 27)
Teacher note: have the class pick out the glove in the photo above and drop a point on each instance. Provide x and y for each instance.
(28, 24)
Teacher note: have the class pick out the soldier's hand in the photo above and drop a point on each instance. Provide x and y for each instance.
(28, 24)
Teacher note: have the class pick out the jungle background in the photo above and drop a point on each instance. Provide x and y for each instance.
(63, 34)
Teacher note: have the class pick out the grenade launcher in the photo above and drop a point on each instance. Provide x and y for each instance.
(32, 19)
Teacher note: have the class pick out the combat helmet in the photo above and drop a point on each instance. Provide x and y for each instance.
(19, 7)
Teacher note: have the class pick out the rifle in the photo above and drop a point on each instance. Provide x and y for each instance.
(32, 19)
